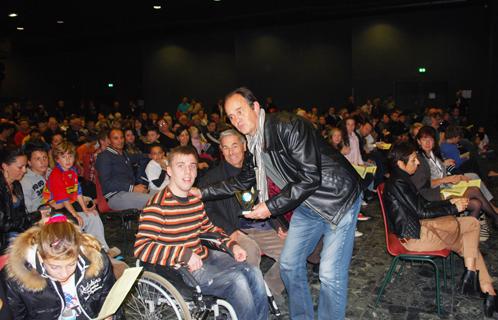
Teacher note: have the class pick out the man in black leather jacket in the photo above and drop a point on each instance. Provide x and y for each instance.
(424, 225)
(316, 181)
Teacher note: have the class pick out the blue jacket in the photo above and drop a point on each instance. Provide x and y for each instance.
(450, 151)
(115, 171)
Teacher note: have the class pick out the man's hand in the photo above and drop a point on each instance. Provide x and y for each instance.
(449, 162)
(259, 212)
(140, 188)
(235, 235)
(460, 203)
(196, 192)
(239, 254)
(202, 165)
(195, 262)
(281, 233)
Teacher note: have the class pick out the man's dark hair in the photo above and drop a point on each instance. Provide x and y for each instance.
(401, 151)
(114, 129)
(180, 129)
(453, 132)
(427, 131)
(184, 150)
(32, 147)
(103, 134)
(245, 93)
(151, 128)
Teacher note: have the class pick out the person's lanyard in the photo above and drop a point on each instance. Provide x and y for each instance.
(432, 157)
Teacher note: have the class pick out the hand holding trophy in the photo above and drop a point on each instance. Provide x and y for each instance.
(246, 199)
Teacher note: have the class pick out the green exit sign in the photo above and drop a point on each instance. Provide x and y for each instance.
(421, 70)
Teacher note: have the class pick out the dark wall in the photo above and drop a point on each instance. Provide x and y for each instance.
(315, 63)
(74, 74)
(201, 66)
(450, 44)
(296, 65)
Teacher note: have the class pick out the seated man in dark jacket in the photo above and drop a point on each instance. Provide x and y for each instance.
(425, 225)
(255, 237)
(115, 173)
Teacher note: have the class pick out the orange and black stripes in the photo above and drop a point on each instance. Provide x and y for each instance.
(169, 229)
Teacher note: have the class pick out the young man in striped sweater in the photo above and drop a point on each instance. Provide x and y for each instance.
(168, 234)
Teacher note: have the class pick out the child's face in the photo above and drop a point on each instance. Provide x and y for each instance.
(156, 153)
(66, 160)
(60, 270)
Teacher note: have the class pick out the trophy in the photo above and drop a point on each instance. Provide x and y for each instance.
(246, 199)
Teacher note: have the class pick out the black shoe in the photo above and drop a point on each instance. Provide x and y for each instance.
(490, 305)
(470, 283)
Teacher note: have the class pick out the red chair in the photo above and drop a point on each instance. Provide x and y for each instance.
(3, 261)
(399, 252)
(126, 216)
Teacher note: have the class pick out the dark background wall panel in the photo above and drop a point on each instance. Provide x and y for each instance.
(303, 65)
(298, 63)
(199, 66)
(450, 44)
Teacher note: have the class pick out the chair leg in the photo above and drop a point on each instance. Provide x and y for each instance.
(438, 293)
(125, 236)
(387, 278)
(452, 270)
(444, 273)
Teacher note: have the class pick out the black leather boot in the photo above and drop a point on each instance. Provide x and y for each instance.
(490, 305)
(469, 283)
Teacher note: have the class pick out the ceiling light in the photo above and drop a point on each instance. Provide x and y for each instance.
(157, 7)
(216, 0)
(60, 21)
(20, 28)
(13, 15)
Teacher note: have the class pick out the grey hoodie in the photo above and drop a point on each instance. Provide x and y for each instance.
(32, 187)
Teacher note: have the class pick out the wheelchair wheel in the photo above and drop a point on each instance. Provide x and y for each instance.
(153, 297)
(225, 311)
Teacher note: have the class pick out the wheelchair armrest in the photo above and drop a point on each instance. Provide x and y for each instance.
(211, 236)
(212, 241)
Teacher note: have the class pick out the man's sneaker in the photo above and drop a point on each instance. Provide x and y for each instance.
(357, 234)
(364, 203)
(362, 217)
(484, 233)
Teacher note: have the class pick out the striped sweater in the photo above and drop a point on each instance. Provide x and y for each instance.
(169, 229)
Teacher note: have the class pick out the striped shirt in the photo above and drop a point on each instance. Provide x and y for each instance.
(169, 229)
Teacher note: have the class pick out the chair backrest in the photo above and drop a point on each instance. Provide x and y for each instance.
(394, 247)
(102, 204)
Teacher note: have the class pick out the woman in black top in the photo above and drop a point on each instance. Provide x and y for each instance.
(13, 215)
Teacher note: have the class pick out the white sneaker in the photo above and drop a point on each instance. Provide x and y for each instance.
(362, 217)
(364, 204)
(357, 234)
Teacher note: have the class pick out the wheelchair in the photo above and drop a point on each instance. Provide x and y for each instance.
(158, 298)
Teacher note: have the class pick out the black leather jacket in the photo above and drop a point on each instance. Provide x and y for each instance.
(312, 169)
(405, 206)
(13, 219)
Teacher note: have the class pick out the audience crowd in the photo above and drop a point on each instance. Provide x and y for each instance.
(54, 159)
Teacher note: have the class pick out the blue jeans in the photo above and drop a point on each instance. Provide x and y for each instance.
(239, 283)
(306, 228)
